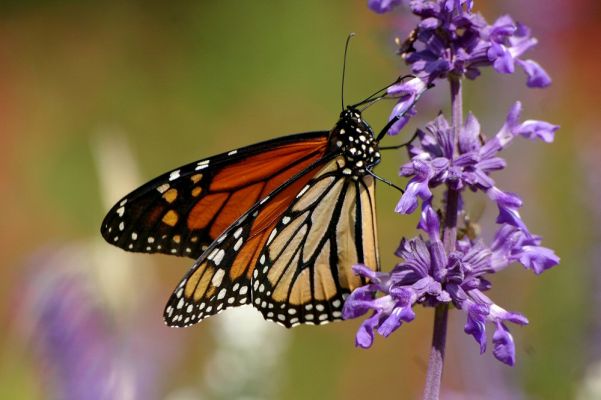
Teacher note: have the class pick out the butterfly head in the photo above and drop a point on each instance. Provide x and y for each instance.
(353, 137)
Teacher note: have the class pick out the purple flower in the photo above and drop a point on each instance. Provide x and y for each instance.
(435, 161)
(514, 245)
(73, 337)
(382, 6)
(452, 42)
(79, 346)
(451, 39)
(429, 276)
(408, 92)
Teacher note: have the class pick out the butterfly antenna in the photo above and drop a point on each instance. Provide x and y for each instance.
(386, 181)
(376, 96)
(348, 40)
(400, 146)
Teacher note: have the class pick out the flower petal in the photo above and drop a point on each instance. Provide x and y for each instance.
(395, 320)
(382, 6)
(360, 301)
(538, 259)
(416, 188)
(365, 335)
(533, 129)
(469, 135)
(475, 324)
(537, 76)
(508, 204)
(429, 221)
(504, 346)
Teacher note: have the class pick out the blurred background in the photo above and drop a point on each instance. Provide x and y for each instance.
(98, 97)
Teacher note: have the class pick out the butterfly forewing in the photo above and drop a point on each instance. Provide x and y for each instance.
(183, 211)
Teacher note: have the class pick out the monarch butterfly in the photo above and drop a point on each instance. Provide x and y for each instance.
(277, 224)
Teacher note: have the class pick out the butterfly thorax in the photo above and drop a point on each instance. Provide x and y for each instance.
(354, 138)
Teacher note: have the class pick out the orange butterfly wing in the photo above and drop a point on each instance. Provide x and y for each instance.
(183, 211)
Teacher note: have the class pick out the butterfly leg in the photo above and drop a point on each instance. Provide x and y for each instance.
(407, 143)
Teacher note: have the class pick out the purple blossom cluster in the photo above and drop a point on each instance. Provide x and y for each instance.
(451, 42)
(435, 160)
(428, 275)
(451, 39)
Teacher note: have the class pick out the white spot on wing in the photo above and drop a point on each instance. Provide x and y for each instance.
(219, 257)
(163, 188)
(272, 235)
(213, 254)
(302, 191)
(120, 211)
(218, 277)
(174, 175)
(202, 165)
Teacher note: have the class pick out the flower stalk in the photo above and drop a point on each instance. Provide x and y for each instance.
(436, 363)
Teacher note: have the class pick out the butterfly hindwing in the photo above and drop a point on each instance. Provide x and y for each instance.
(181, 212)
(304, 272)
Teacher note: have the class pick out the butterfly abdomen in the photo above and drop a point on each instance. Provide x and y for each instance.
(355, 139)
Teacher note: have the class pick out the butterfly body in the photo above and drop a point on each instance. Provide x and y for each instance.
(355, 139)
(277, 225)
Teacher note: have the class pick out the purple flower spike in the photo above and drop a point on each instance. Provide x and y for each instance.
(382, 6)
(451, 42)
